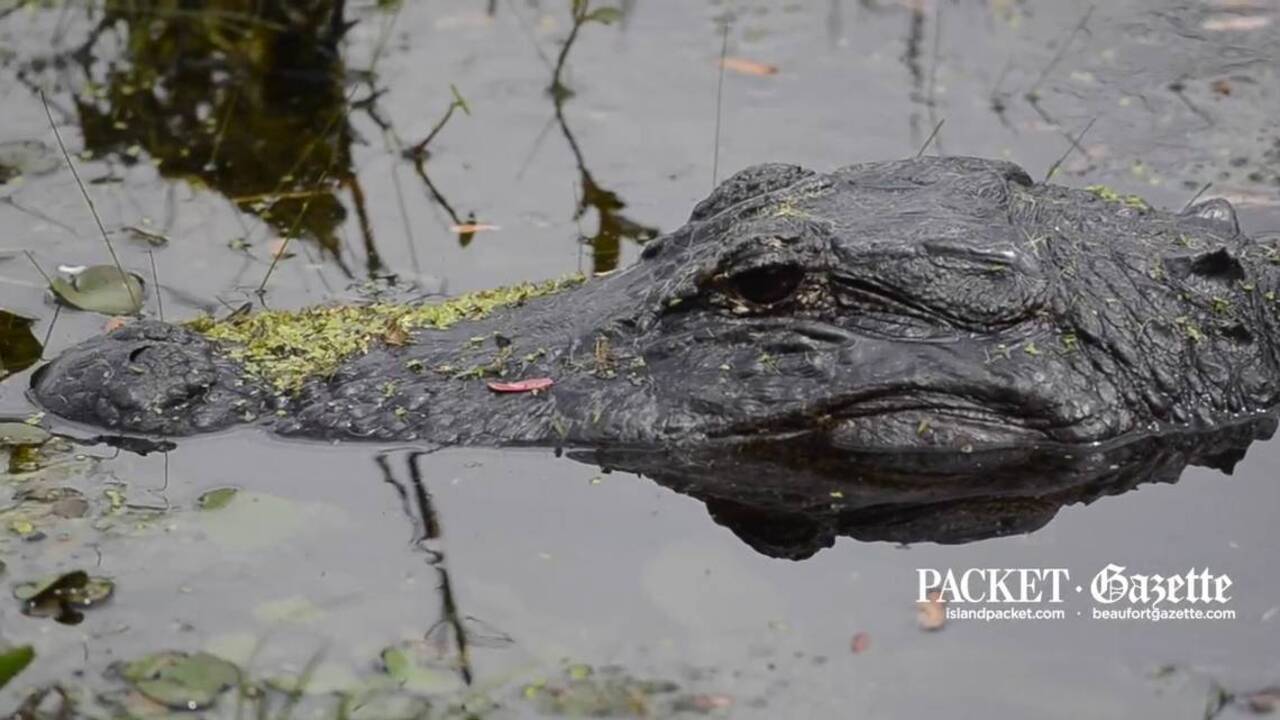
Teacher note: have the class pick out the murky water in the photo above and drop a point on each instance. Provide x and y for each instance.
(203, 143)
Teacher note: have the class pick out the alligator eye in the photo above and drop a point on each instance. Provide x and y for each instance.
(768, 284)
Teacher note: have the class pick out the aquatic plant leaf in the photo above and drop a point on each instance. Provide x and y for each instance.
(604, 15)
(115, 322)
(520, 386)
(14, 661)
(19, 434)
(26, 157)
(748, 67)
(396, 663)
(1259, 702)
(407, 673)
(216, 499)
(70, 507)
(1236, 23)
(470, 228)
(61, 597)
(180, 680)
(860, 643)
(704, 703)
(19, 348)
(102, 289)
(35, 590)
(931, 613)
(386, 706)
(602, 694)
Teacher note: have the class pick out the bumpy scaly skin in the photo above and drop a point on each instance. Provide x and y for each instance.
(150, 377)
(935, 302)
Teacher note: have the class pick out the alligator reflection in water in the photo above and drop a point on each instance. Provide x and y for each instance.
(245, 98)
(787, 500)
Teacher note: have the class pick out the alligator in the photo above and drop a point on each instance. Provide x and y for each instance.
(930, 303)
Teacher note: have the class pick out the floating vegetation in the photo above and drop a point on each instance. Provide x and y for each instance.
(101, 289)
(401, 665)
(13, 661)
(181, 681)
(14, 433)
(62, 597)
(19, 348)
(286, 348)
(216, 499)
(586, 692)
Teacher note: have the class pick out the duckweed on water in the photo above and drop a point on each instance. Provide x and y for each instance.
(287, 348)
(1110, 195)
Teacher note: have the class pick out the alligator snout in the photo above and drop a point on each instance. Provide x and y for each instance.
(149, 377)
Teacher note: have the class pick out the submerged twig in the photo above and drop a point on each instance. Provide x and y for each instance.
(1203, 189)
(124, 277)
(57, 312)
(1075, 143)
(715, 156)
(287, 238)
(155, 279)
(39, 269)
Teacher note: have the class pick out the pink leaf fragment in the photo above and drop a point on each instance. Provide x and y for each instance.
(861, 643)
(519, 386)
(468, 228)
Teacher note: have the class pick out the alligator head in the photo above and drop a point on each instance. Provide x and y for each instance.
(928, 303)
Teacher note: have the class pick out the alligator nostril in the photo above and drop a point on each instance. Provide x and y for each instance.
(184, 396)
(768, 284)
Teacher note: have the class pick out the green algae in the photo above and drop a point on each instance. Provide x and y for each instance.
(287, 348)
(1110, 195)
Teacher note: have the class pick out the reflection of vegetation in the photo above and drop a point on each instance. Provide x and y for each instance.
(419, 154)
(613, 225)
(583, 14)
(19, 349)
(242, 96)
(419, 507)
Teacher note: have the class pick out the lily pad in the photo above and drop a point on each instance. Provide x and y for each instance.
(14, 661)
(13, 434)
(102, 289)
(63, 596)
(26, 157)
(401, 667)
(70, 507)
(386, 706)
(216, 499)
(181, 681)
(605, 694)
(19, 348)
